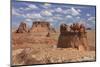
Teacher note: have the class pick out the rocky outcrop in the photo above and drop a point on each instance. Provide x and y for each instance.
(22, 28)
(73, 39)
(44, 56)
(41, 26)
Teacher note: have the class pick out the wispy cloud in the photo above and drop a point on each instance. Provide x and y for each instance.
(59, 9)
(54, 13)
(29, 7)
(46, 13)
(46, 5)
(31, 16)
(79, 10)
(69, 16)
(92, 19)
(15, 12)
(74, 11)
(28, 20)
(88, 14)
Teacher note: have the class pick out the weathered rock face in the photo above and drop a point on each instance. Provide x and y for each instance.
(22, 28)
(63, 28)
(41, 26)
(76, 39)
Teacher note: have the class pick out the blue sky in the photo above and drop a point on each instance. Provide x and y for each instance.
(53, 13)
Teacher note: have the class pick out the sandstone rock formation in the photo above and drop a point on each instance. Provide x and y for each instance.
(63, 28)
(41, 26)
(22, 28)
(75, 38)
(65, 39)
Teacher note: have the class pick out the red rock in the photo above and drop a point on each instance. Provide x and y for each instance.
(22, 28)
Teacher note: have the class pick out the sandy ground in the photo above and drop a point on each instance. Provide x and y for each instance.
(36, 48)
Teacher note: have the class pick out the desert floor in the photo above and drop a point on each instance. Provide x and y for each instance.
(36, 48)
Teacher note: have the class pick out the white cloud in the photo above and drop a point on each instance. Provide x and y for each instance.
(76, 7)
(36, 15)
(72, 11)
(57, 18)
(77, 17)
(31, 6)
(92, 19)
(46, 13)
(88, 14)
(68, 16)
(68, 11)
(28, 20)
(78, 10)
(46, 5)
(14, 12)
(58, 10)
(50, 19)
(21, 8)
(59, 15)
